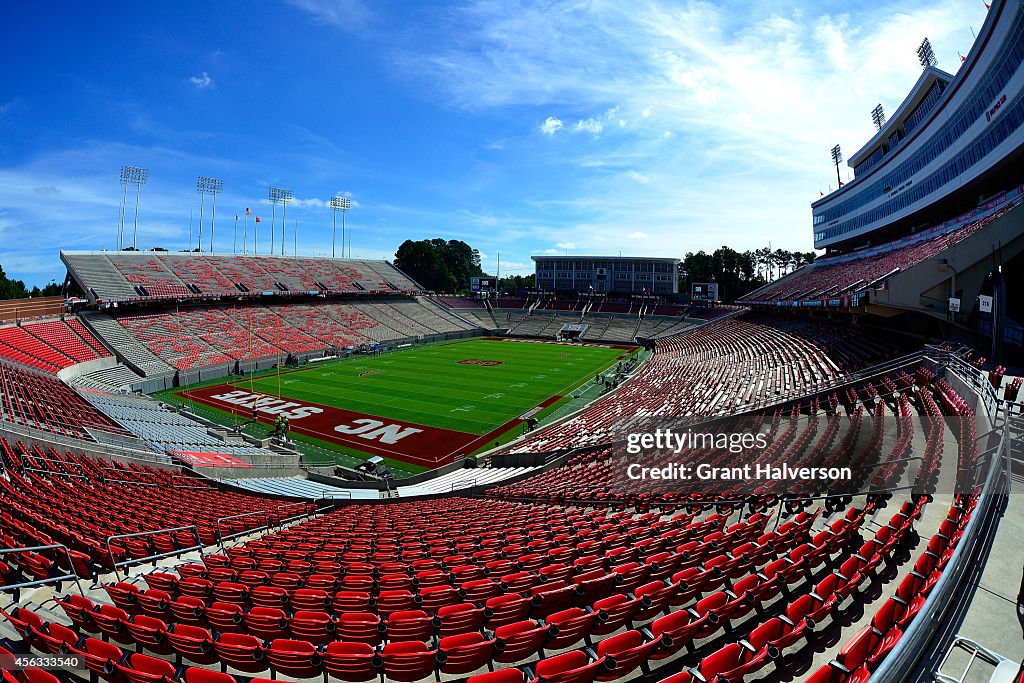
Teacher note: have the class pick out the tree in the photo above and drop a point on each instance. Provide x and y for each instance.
(514, 284)
(11, 289)
(438, 264)
(15, 289)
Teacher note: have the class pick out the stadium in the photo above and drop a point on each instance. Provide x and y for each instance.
(236, 467)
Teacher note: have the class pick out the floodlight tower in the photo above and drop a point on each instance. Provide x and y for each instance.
(286, 196)
(878, 116)
(275, 195)
(837, 156)
(926, 55)
(343, 204)
(132, 175)
(205, 186)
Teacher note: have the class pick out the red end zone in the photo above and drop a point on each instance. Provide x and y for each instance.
(407, 441)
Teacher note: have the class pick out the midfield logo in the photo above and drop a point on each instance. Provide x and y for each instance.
(476, 361)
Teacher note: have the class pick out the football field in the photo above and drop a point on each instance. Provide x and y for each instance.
(422, 405)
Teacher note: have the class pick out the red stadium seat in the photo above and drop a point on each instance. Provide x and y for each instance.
(241, 651)
(353, 662)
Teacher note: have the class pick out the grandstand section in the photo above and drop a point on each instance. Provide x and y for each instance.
(915, 273)
(543, 580)
(126, 276)
(728, 365)
(44, 402)
(50, 344)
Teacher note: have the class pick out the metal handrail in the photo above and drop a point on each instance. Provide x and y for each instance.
(915, 641)
(282, 520)
(221, 537)
(56, 472)
(140, 560)
(39, 582)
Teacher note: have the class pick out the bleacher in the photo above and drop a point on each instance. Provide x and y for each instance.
(169, 431)
(113, 379)
(59, 496)
(128, 346)
(841, 276)
(498, 590)
(202, 336)
(721, 367)
(300, 488)
(125, 276)
(44, 402)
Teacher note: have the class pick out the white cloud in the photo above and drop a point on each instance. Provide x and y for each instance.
(638, 235)
(719, 96)
(551, 125)
(312, 201)
(589, 125)
(566, 245)
(344, 14)
(550, 251)
(202, 81)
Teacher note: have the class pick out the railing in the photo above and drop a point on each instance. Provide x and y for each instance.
(150, 558)
(220, 533)
(979, 383)
(72, 576)
(56, 473)
(963, 567)
(26, 432)
(283, 520)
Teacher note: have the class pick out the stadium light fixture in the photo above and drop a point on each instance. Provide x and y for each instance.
(132, 175)
(204, 186)
(878, 116)
(343, 204)
(286, 196)
(837, 156)
(275, 195)
(926, 55)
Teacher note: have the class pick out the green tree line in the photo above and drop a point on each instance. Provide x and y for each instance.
(16, 289)
(738, 273)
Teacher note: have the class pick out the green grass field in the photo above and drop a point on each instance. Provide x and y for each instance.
(429, 386)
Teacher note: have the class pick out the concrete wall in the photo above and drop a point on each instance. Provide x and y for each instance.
(927, 286)
(88, 366)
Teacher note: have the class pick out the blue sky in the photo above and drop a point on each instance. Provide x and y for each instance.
(652, 127)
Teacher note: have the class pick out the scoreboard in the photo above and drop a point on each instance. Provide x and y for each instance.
(704, 291)
(482, 284)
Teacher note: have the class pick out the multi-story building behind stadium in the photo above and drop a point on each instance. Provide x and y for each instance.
(608, 274)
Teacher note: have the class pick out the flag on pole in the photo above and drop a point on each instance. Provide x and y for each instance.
(247, 211)
(236, 216)
(257, 219)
